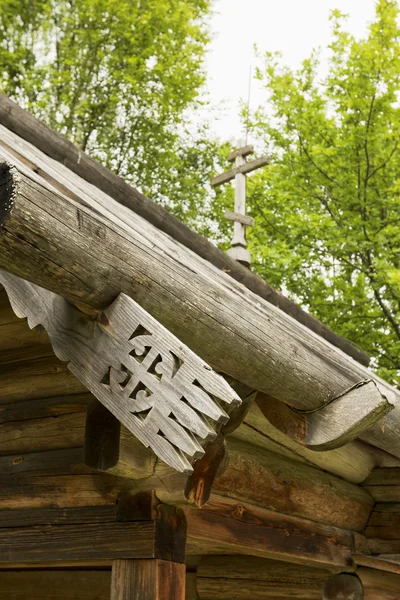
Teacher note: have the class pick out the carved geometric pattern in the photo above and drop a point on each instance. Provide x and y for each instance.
(168, 397)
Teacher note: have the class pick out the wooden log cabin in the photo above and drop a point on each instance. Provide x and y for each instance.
(171, 427)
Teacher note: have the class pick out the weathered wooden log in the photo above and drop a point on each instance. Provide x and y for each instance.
(353, 462)
(227, 526)
(379, 585)
(44, 377)
(266, 479)
(63, 246)
(59, 148)
(244, 577)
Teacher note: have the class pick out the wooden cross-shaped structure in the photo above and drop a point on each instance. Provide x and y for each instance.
(238, 249)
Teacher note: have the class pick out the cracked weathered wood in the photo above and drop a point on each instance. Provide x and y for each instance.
(94, 254)
(334, 425)
(78, 165)
(165, 395)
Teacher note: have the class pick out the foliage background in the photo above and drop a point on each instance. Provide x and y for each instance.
(124, 79)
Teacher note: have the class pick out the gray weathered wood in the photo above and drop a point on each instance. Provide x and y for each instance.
(243, 151)
(255, 341)
(334, 425)
(158, 388)
(244, 219)
(71, 161)
(243, 169)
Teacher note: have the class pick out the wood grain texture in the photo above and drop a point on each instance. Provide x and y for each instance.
(155, 271)
(152, 383)
(243, 577)
(73, 161)
(379, 585)
(353, 462)
(89, 541)
(55, 585)
(334, 425)
(240, 528)
(44, 377)
(147, 580)
(111, 448)
(260, 477)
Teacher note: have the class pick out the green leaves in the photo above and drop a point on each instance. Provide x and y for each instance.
(117, 77)
(327, 213)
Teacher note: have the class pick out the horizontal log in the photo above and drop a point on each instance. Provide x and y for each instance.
(71, 158)
(379, 584)
(44, 377)
(333, 425)
(88, 541)
(243, 151)
(58, 516)
(353, 462)
(224, 526)
(384, 484)
(268, 480)
(384, 522)
(244, 577)
(377, 562)
(150, 273)
(55, 585)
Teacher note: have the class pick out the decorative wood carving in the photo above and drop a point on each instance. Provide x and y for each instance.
(169, 398)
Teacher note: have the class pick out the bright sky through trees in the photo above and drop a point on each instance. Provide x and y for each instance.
(293, 27)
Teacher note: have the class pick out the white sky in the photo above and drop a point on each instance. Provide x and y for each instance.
(293, 27)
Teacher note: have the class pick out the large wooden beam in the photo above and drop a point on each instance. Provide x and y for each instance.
(245, 577)
(93, 256)
(230, 527)
(260, 477)
(59, 148)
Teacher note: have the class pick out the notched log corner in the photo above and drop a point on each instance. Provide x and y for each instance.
(340, 421)
(8, 186)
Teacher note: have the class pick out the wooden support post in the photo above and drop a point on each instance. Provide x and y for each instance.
(153, 578)
(147, 579)
(343, 587)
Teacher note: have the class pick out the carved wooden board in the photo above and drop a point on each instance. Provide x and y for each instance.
(169, 398)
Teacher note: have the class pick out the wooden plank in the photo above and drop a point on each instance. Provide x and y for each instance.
(58, 516)
(244, 151)
(244, 219)
(240, 528)
(147, 580)
(248, 167)
(44, 407)
(203, 336)
(384, 522)
(266, 479)
(244, 577)
(86, 542)
(55, 585)
(60, 149)
(45, 377)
